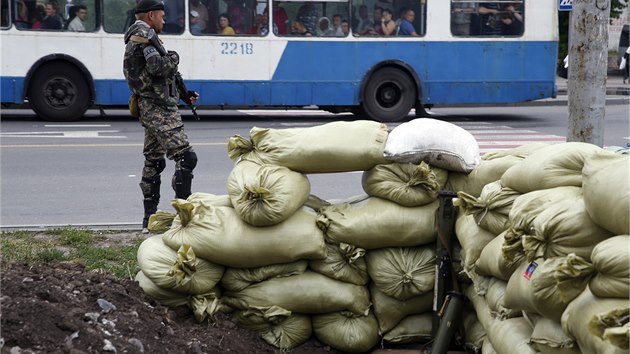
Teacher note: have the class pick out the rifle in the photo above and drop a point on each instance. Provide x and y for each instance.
(184, 94)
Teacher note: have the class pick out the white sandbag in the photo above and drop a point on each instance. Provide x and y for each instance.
(343, 262)
(488, 171)
(390, 311)
(438, 143)
(307, 293)
(611, 259)
(491, 209)
(511, 336)
(576, 321)
(552, 166)
(377, 223)
(402, 273)
(525, 209)
(562, 228)
(472, 238)
(179, 270)
(346, 331)
(235, 279)
(549, 338)
(265, 195)
(277, 326)
(406, 184)
(332, 147)
(606, 183)
(412, 329)
(219, 235)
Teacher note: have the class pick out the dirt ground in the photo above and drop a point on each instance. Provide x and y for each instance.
(60, 307)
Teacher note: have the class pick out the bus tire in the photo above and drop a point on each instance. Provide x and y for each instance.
(59, 92)
(389, 95)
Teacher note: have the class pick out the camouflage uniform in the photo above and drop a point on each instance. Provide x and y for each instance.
(151, 77)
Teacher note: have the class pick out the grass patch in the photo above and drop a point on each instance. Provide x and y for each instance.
(105, 252)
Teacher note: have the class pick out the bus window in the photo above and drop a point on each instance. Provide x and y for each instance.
(490, 18)
(240, 14)
(118, 15)
(301, 18)
(174, 18)
(86, 20)
(4, 14)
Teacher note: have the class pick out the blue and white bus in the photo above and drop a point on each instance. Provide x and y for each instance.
(460, 52)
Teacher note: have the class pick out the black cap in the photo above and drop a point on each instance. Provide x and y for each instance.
(149, 5)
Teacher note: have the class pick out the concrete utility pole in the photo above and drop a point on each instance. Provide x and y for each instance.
(588, 62)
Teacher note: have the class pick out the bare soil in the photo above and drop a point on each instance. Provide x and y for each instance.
(60, 307)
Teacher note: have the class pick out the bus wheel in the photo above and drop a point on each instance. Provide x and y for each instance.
(59, 92)
(389, 95)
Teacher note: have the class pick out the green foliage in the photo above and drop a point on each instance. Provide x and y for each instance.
(73, 237)
(120, 261)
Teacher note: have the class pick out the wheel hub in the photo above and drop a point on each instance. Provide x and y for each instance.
(59, 93)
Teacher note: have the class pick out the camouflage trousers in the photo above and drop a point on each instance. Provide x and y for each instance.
(163, 135)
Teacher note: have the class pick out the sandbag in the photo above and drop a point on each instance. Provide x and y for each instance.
(220, 200)
(606, 183)
(472, 238)
(202, 305)
(332, 147)
(162, 220)
(481, 307)
(402, 273)
(346, 331)
(613, 327)
(552, 166)
(268, 194)
(377, 223)
(576, 321)
(549, 338)
(520, 151)
(511, 336)
(235, 279)
(390, 311)
(179, 270)
(492, 262)
(343, 262)
(412, 329)
(277, 326)
(488, 171)
(474, 332)
(495, 297)
(525, 209)
(611, 259)
(406, 184)
(562, 228)
(219, 235)
(438, 143)
(307, 293)
(547, 286)
(491, 209)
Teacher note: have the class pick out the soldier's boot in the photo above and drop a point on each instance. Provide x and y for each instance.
(182, 179)
(150, 186)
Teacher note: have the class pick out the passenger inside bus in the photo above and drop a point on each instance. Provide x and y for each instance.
(201, 20)
(406, 23)
(38, 17)
(299, 29)
(225, 27)
(76, 22)
(308, 16)
(337, 28)
(280, 18)
(52, 20)
(22, 15)
(345, 27)
(388, 25)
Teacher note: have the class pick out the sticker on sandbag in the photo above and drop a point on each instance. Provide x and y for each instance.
(530, 270)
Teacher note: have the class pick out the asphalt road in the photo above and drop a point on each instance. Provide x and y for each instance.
(86, 173)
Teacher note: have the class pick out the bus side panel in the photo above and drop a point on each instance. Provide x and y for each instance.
(11, 89)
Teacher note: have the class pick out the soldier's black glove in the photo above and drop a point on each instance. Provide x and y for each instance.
(174, 56)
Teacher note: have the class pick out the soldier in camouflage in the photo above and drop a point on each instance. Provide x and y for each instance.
(151, 77)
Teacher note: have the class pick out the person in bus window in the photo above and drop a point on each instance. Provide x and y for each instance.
(202, 14)
(22, 15)
(377, 17)
(77, 24)
(406, 23)
(52, 20)
(195, 23)
(388, 25)
(461, 18)
(364, 22)
(336, 26)
(490, 20)
(280, 18)
(345, 27)
(323, 27)
(38, 17)
(298, 29)
(307, 15)
(151, 72)
(512, 20)
(224, 25)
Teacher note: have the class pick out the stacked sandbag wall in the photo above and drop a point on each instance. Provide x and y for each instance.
(536, 242)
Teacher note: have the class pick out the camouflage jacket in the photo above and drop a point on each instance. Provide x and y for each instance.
(148, 75)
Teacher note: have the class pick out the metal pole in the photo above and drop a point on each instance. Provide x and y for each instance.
(444, 247)
(588, 62)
